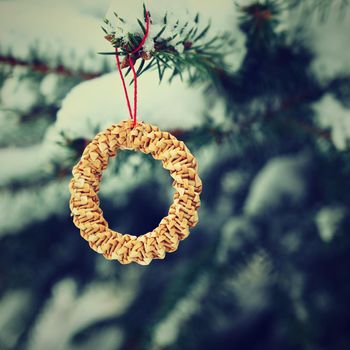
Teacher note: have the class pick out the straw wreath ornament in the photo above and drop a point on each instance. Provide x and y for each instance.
(85, 184)
(138, 136)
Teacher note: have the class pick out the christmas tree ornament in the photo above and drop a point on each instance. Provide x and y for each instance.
(146, 138)
(84, 187)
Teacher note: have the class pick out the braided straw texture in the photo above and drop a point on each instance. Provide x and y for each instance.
(84, 187)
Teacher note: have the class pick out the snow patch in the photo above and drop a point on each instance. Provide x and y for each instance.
(331, 44)
(20, 93)
(12, 306)
(167, 330)
(96, 104)
(22, 163)
(49, 87)
(32, 205)
(328, 220)
(233, 181)
(236, 231)
(332, 115)
(8, 119)
(280, 179)
(73, 310)
(326, 37)
(59, 31)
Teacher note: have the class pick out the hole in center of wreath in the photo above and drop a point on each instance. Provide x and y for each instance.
(135, 193)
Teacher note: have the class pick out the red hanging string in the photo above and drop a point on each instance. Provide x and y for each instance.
(133, 114)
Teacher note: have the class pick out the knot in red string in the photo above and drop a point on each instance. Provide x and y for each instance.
(133, 114)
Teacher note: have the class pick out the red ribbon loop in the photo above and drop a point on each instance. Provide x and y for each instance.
(133, 114)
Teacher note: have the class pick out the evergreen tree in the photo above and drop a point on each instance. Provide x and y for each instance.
(263, 102)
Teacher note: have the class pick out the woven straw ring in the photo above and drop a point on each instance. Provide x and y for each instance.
(84, 187)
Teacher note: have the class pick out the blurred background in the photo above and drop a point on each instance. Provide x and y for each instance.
(267, 267)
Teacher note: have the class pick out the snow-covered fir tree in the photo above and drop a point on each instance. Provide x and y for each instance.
(260, 92)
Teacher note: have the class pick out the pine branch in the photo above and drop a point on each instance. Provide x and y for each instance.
(43, 68)
(208, 133)
(180, 48)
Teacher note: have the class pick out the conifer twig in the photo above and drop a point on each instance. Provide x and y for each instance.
(43, 68)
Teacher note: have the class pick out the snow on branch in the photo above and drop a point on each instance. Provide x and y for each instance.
(32, 205)
(85, 112)
(330, 114)
(280, 181)
(76, 310)
(181, 44)
(44, 68)
(52, 33)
